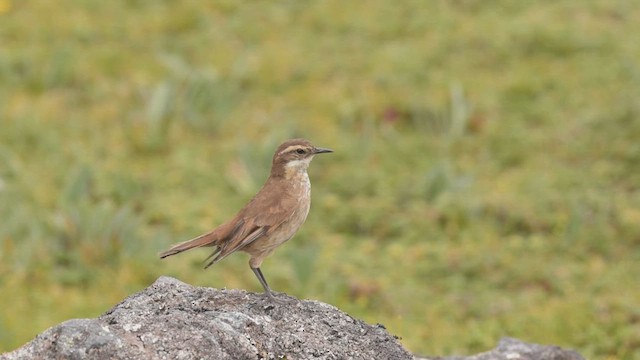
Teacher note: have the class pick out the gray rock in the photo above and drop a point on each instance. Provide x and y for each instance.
(173, 320)
(514, 349)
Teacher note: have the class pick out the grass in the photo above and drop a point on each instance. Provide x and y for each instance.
(484, 184)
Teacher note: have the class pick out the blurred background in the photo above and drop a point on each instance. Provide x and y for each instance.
(485, 180)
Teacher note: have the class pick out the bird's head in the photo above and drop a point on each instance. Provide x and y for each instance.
(294, 156)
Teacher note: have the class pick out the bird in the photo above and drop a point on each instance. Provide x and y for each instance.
(270, 218)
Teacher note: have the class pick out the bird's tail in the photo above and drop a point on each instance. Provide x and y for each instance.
(208, 239)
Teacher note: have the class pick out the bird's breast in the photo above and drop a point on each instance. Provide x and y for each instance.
(299, 189)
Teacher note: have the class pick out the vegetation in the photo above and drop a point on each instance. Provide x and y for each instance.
(485, 180)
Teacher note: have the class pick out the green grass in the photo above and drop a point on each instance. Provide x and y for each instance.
(484, 184)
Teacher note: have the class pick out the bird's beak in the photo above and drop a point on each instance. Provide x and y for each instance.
(321, 150)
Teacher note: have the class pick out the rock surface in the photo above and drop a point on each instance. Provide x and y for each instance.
(514, 349)
(173, 320)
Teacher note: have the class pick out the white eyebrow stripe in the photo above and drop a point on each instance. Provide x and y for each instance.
(291, 148)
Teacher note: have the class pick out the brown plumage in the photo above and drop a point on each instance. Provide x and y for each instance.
(273, 215)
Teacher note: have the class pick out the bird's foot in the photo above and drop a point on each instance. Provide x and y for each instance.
(273, 300)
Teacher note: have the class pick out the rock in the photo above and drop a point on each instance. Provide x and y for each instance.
(514, 349)
(173, 320)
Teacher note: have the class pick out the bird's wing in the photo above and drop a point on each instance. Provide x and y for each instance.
(255, 222)
(276, 207)
(229, 247)
(263, 215)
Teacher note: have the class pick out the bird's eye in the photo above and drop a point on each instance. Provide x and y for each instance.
(300, 151)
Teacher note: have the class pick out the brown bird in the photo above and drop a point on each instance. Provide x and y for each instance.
(272, 217)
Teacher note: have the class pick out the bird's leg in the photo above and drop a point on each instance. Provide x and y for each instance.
(267, 290)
